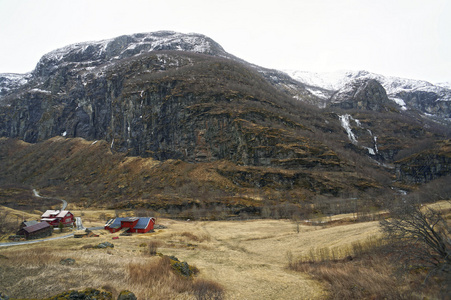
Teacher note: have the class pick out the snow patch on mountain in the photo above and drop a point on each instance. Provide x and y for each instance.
(400, 102)
(394, 86)
(9, 81)
(130, 45)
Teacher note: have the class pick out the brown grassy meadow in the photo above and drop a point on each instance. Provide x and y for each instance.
(246, 259)
(251, 259)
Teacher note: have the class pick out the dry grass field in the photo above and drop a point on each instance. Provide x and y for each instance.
(248, 259)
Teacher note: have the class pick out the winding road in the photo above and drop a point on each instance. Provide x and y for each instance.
(39, 196)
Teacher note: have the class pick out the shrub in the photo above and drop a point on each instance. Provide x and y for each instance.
(153, 246)
(206, 289)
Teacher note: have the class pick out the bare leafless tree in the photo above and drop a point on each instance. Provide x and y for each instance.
(421, 236)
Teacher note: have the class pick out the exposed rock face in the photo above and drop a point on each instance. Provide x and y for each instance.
(425, 166)
(365, 95)
(10, 82)
(167, 105)
(434, 101)
(90, 54)
(169, 96)
(428, 102)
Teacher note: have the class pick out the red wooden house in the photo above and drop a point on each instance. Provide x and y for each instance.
(135, 225)
(55, 217)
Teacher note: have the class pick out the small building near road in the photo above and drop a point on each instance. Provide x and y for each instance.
(55, 217)
(38, 230)
(28, 223)
(134, 224)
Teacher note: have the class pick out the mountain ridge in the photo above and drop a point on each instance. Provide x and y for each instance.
(254, 128)
(311, 87)
(431, 99)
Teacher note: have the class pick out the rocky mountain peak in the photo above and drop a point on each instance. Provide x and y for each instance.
(91, 54)
(366, 94)
(433, 100)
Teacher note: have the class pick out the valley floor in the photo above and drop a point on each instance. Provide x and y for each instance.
(248, 258)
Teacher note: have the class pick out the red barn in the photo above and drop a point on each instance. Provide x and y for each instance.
(55, 217)
(135, 225)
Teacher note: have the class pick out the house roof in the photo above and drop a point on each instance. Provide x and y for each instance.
(143, 223)
(30, 223)
(116, 223)
(36, 227)
(54, 213)
(130, 219)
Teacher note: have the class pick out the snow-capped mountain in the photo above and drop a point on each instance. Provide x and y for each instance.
(169, 95)
(91, 54)
(95, 57)
(432, 99)
(10, 81)
(319, 89)
(335, 81)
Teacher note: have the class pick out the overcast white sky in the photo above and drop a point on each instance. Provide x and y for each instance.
(406, 38)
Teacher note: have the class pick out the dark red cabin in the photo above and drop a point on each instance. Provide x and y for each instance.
(135, 224)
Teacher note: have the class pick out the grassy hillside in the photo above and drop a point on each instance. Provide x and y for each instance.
(88, 173)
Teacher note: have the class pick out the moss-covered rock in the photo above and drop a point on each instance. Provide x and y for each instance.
(87, 294)
(182, 268)
(126, 295)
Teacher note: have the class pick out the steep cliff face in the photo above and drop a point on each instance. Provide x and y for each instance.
(426, 165)
(430, 102)
(361, 94)
(167, 105)
(168, 96)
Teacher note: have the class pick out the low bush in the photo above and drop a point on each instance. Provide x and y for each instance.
(366, 270)
(206, 289)
(152, 247)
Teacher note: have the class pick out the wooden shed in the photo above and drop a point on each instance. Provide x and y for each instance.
(135, 224)
(39, 230)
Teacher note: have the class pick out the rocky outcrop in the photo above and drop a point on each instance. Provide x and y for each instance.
(126, 295)
(425, 166)
(429, 102)
(83, 295)
(432, 100)
(169, 96)
(165, 105)
(364, 95)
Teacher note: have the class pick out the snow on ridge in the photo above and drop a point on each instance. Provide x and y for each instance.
(13, 79)
(338, 80)
(14, 76)
(446, 85)
(152, 41)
